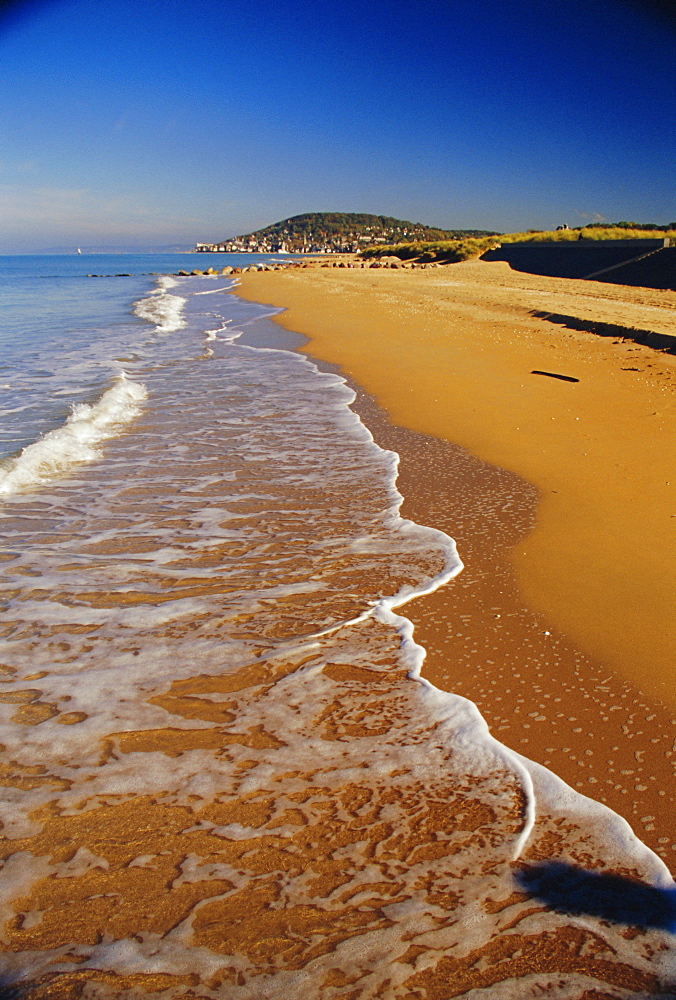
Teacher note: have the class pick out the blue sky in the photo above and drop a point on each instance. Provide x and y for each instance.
(152, 122)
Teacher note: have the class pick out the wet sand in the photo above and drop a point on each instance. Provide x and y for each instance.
(568, 660)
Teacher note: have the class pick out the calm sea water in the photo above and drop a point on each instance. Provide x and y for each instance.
(64, 335)
(220, 766)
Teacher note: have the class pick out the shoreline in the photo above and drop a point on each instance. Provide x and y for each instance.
(233, 776)
(611, 738)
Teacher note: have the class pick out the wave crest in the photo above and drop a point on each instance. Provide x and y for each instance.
(163, 310)
(75, 441)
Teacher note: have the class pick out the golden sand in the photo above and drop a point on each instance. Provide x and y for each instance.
(560, 627)
(450, 353)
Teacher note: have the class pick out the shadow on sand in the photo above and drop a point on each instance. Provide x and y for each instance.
(577, 892)
(659, 341)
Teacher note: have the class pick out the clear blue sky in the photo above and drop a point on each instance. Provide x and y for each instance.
(151, 122)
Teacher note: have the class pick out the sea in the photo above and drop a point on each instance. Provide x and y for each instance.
(222, 772)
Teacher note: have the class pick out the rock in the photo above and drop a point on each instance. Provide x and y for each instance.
(227, 270)
(183, 274)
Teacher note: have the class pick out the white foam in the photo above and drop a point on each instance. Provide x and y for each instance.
(163, 310)
(75, 441)
(224, 328)
(214, 291)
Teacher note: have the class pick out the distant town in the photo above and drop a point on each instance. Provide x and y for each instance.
(332, 232)
(255, 243)
(249, 244)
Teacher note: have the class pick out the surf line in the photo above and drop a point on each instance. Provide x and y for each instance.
(529, 774)
(413, 653)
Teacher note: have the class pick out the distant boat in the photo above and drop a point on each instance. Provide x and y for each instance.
(78, 250)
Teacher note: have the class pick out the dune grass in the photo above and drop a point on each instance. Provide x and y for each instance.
(588, 233)
(442, 251)
(452, 251)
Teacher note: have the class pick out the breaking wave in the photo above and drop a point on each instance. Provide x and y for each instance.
(76, 440)
(163, 310)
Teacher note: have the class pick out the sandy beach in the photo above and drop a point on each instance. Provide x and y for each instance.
(558, 494)
(227, 770)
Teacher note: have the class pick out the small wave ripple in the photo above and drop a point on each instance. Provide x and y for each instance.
(76, 440)
(163, 310)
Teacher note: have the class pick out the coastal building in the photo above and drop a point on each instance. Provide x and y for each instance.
(251, 245)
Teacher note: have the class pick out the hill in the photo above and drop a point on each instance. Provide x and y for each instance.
(341, 232)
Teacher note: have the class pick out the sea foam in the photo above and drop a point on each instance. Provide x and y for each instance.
(77, 440)
(163, 310)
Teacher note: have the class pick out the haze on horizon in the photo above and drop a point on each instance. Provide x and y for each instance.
(171, 121)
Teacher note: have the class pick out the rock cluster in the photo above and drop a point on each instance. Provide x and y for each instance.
(383, 262)
(211, 272)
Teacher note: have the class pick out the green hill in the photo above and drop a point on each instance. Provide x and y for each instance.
(351, 231)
